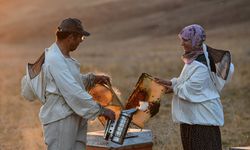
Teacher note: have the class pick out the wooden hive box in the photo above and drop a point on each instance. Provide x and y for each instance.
(240, 148)
(137, 139)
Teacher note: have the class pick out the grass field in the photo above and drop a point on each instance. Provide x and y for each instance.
(128, 37)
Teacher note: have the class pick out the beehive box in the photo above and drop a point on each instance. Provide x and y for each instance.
(137, 139)
(240, 148)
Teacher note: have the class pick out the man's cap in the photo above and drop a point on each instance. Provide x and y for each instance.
(72, 25)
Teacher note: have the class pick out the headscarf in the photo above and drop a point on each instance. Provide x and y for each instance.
(196, 34)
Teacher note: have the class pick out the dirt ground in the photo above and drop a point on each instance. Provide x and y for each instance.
(128, 37)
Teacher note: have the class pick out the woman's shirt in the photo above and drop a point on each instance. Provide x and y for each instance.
(196, 100)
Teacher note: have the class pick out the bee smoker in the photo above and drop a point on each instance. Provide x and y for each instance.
(117, 130)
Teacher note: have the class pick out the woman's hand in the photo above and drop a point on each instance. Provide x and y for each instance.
(166, 83)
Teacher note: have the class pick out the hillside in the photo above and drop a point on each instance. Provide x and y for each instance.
(128, 37)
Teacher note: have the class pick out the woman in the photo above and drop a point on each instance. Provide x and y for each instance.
(196, 104)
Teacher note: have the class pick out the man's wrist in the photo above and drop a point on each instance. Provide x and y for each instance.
(102, 110)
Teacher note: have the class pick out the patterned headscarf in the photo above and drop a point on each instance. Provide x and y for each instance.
(196, 34)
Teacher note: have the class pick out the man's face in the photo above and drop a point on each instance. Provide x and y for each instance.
(75, 40)
(186, 44)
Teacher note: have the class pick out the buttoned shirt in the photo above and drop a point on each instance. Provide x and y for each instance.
(66, 89)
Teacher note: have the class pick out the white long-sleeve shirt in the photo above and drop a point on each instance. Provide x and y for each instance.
(65, 90)
(195, 99)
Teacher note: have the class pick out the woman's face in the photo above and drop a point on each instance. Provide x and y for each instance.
(186, 44)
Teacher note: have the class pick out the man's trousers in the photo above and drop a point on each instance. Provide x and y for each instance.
(66, 134)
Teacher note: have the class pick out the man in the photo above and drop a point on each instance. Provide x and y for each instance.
(196, 104)
(68, 106)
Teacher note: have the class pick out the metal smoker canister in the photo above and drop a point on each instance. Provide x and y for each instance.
(122, 126)
(109, 128)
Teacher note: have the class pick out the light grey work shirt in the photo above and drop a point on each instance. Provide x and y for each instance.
(65, 89)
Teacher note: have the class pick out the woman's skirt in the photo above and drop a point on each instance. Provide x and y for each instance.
(200, 137)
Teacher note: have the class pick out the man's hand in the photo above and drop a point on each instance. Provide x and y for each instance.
(167, 84)
(102, 79)
(109, 114)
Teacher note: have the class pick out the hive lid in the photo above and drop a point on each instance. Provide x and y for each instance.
(134, 138)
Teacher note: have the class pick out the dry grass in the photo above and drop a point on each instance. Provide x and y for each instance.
(129, 37)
